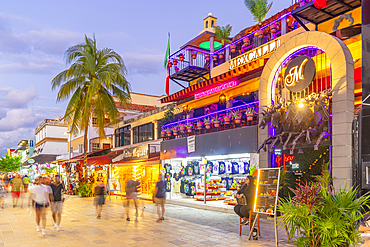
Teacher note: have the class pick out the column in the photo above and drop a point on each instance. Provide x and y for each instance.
(155, 130)
(284, 25)
(190, 58)
(211, 49)
(132, 136)
(227, 53)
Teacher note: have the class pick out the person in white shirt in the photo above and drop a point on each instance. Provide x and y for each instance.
(41, 197)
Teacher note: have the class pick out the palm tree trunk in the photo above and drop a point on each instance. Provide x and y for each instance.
(85, 148)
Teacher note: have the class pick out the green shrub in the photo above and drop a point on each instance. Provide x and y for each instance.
(85, 190)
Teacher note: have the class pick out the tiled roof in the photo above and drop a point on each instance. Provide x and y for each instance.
(135, 107)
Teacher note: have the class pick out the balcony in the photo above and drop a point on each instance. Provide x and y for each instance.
(226, 119)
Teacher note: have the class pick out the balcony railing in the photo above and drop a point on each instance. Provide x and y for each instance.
(229, 118)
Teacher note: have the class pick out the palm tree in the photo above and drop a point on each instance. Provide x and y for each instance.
(258, 8)
(91, 82)
(223, 33)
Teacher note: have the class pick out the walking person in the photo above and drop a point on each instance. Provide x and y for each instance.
(2, 192)
(99, 189)
(131, 194)
(57, 205)
(26, 181)
(160, 197)
(17, 186)
(41, 198)
(243, 208)
(6, 183)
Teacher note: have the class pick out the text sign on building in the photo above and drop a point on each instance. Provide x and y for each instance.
(138, 152)
(300, 73)
(253, 54)
(191, 144)
(216, 89)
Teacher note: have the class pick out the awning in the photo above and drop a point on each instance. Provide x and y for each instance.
(150, 161)
(42, 159)
(60, 160)
(101, 160)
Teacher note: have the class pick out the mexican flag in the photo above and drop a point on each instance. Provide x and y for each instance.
(166, 58)
(319, 4)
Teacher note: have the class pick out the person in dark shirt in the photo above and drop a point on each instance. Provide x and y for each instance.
(99, 199)
(57, 205)
(160, 197)
(248, 190)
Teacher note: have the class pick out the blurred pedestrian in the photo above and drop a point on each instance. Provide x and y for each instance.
(131, 194)
(2, 192)
(6, 183)
(58, 200)
(99, 189)
(26, 181)
(17, 186)
(160, 197)
(40, 195)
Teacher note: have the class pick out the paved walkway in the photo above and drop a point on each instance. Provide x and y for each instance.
(182, 226)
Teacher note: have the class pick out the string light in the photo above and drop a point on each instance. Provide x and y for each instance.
(314, 163)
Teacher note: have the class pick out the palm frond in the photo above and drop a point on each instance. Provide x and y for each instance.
(258, 8)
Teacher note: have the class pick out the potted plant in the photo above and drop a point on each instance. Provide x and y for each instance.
(216, 122)
(175, 62)
(181, 57)
(207, 123)
(175, 131)
(274, 27)
(259, 10)
(189, 128)
(169, 64)
(250, 113)
(221, 55)
(246, 41)
(207, 58)
(227, 119)
(163, 133)
(214, 57)
(176, 69)
(169, 132)
(182, 128)
(194, 55)
(233, 48)
(199, 124)
(237, 117)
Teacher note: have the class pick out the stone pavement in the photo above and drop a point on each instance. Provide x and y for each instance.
(182, 227)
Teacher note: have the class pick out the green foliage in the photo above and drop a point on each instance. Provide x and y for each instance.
(49, 170)
(321, 216)
(94, 77)
(168, 115)
(85, 190)
(258, 8)
(223, 33)
(9, 164)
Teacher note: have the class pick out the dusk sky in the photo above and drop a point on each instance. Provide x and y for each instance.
(35, 34)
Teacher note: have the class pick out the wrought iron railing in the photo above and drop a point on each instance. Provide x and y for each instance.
(189, 56)
(229, 118)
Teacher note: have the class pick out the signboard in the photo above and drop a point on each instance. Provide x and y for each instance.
(191, 144)
(137, 152)
(253, 54)
(31, 146)
(300, 73)
(213, 90)
(114, 184)
(267, 190)
(31, 161)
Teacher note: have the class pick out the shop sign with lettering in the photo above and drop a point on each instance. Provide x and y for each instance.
(300, 73)
(137, 152)
(216, 89)
(253, 54)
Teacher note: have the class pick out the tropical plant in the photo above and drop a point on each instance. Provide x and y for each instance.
(258, 8)
(236, 114)
(94, 81)
(207, 120)
(49, 170)
(10, 164)
(168, 115)
(85, 190)
(320, 216)
(215, 119)
(223, 33)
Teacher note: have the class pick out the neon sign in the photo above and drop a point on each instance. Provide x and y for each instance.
(284, 159)
(253, 54)
(216, 89)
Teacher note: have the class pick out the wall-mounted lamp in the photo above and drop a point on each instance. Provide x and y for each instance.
(222, 99)
(186, 110)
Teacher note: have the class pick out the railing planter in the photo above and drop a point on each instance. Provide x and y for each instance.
(249, 116)
(175, 62)
(227, 120)
(163, 133)
(169, 64)
(169, 132)
(221, 55)
(181, 57)
(233, 48)
(182, 128)
(216, 122)
(194, 55)
(214, 57)
(274, 27)
(259, 34)
(199, 125)
(207, 57)
(238, 119)
(175, 131)
(189, 128)
(246, 41)
(177, 69)
(207, 125)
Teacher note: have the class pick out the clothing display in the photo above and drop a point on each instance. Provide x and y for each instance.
(196, 168)
(176, 186)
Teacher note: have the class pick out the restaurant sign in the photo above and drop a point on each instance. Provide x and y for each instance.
(137, 152)
(299, 74)
(216, 89)
(253, 54)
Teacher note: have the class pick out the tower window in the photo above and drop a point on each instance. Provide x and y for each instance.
(206, 24)
(213, 23)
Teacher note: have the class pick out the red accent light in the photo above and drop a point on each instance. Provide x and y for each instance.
(285, 158)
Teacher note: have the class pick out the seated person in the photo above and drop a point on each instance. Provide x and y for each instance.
(248, 190)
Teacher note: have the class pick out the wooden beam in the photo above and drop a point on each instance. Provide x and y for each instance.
(300, 22)
(344, 4)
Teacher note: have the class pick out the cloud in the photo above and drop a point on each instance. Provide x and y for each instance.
(14, 98)
(18, 118)
(10, 139)
(145, 64)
